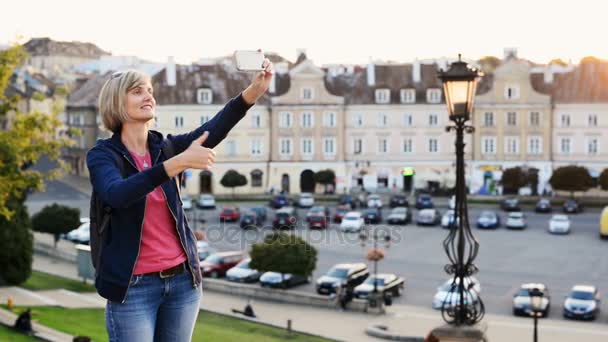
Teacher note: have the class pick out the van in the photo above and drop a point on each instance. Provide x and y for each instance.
(604, 224)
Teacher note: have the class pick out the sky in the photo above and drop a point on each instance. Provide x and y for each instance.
(330, 31)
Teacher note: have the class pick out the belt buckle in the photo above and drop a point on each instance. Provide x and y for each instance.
(170, 272)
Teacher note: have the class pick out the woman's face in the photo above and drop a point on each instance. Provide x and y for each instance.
(140, 102)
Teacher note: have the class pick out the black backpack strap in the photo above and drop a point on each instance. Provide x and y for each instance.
(107, 210)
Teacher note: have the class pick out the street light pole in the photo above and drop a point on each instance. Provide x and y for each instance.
(536, 303)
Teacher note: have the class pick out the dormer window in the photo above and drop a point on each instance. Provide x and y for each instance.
(408, 95)
(433, 95)
(383, 95)
(204, 96)
(512, 92)
(306, 93)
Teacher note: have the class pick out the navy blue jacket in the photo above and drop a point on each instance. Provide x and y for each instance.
(127, 198)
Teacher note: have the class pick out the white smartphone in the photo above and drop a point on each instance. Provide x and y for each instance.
(247, 60)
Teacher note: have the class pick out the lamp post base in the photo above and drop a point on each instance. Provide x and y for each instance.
(375, 303)
(465, 333)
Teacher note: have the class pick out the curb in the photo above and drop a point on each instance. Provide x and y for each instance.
(381, 331)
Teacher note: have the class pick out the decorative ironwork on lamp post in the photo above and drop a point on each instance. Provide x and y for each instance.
(462, 305)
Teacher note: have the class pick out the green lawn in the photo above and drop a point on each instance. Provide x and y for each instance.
(45, 281)
(9, 335)
(209, 326)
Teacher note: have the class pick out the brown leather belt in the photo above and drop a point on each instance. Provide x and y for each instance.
(169, 272)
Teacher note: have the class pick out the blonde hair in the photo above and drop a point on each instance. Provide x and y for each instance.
(112, 98)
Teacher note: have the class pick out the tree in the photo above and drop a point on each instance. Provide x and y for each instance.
(284, 253)
(513, 179)
(571, 178)
(16, 244)
(56, 219)
(603, 179)
(558, 61)
(325, 177)
(232, 179)
(488, 63)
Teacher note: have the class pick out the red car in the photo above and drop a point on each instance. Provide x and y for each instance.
(340, 212)
(217, 264)
(230, 214)
(317, 221)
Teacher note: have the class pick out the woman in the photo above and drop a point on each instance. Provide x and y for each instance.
(149, 268)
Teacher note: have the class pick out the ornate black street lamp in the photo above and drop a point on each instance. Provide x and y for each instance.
(462, 306)
(536, 305)
(375, 254)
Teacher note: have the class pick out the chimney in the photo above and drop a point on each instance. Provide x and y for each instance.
(548, 74)
(416, 72)
(170, 72)
(510, 52)
(371, 74)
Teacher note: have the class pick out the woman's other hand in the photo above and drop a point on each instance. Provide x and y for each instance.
(194, 157)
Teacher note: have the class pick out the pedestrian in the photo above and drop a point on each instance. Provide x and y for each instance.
(149, 268)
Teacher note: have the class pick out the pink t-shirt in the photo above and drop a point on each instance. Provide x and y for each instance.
(160, 246)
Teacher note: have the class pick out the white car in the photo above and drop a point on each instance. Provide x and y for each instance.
(204, 249)
(583, 302)
(374, 201)
(559, 224)
(242, 272)
(306, 200)
(516, 220)
(352, 222)
(80, 234)
(186, 202)
(447, 219)
(452, 202)
(206, 201)
(445, 292)
(522, 303)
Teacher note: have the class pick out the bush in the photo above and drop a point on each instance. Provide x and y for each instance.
(16, 245)
(571, 178)
(232, 179)
(284, 253)
(56, 219)
(603, 180)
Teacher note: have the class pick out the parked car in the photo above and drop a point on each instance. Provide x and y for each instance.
(80, 234)
(317, 221)
(203, 249)
(243, 273)
(543, 206)
(341, 210)
(516, 220)
(428, 217)
(522, 305)
(448, 292)
(250, 220)
(352, 222)
(285, 218)
(186, 202)
(559, 224)
(206, 201)
(510, 204)
(230, 214)
(572, 206)
(342, 275)
(583, 302)
(399, 215)
(306, 200)
(348, 200)
(424, 201)
(452, 202)
(398, 201)
(448, 219)
(261, 212)
(372, 215)
(374, 201)
(279, 201)
(217, 264)
(278, 280)
(488, 219)
(385, 284)
(318, 210)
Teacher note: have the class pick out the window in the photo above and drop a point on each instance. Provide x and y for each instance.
(329, 119)
(512, 92)
(383, 145)
(565, 120)
(285, 119)
(358, 120)
(256, 178)
(564, 145)
(231, 147)
(204, 96)
(535, 145)
(383, 96)
(488, 145)
(179, 121)
(511, 118)
(432, 120)
(408, 120)
(306, 93)
(592, 146)
(408, 95)
(307, 146)
(256, 120)
(408, 146)
(433, 146)
(329, 146)
(307, 119)
(433, 95)
(256, 148)
(285, 146)
(512, 145)
(592, 120)
(358, 146)
(204, 119)
(534, 118)
(488, 119)
(382, 120)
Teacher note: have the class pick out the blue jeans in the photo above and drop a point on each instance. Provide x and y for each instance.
(155, 309)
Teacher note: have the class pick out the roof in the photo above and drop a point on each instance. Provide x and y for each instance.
(87, 94)
(584, 288)
(49, 47)
(25, 83)
(530, 286)
(588, 82)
